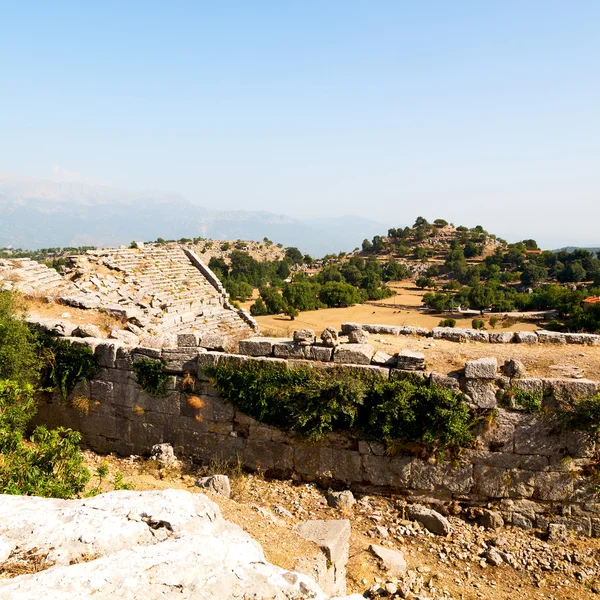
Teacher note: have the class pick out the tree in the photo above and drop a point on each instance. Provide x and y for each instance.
(338, 294)
(259, 308)
(480, 297)
(533, 274)
(440, 223)
(302, 295)
(294, 255)
(219, 267)
(273, 300)
(366, 246)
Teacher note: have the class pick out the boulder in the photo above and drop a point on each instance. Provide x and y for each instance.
(384, 359)
(430, 519)
(501, 337)
(354, 354)
(483, 368)
(393, 561)
(491, 519)
(87, 330)
(358, 336)
(126, 544)
(217, 484)
(407, 360)
(525, 337)
(304, 337)
(329, 337)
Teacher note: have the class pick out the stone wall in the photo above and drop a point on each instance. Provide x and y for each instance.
(531, 473)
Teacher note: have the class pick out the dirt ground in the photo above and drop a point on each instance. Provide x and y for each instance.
(402, 309)
(449, 567)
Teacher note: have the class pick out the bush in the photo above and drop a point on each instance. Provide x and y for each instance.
(19, 354)
(315, 402)
(447, 323)
(65, 364)
(530, 401)
(477, 324)
(50, 464)
(151, 377)
(493, 322)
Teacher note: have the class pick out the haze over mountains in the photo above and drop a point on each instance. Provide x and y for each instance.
(38, 213)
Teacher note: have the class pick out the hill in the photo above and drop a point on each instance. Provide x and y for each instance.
(39, 213)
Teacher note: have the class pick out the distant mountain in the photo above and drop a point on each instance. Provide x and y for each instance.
(573, 248)
(38, 213)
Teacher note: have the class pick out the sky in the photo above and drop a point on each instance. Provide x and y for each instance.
(477, 112)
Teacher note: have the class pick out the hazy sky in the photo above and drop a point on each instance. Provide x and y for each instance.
(478, 112)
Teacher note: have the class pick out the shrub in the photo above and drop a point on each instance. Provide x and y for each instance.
(50, 464)
(65, 364)
(493, 322)
(151, 376)
(447, 323)
(530, 401)
(315, 402)
(584, 415)
(478, 324)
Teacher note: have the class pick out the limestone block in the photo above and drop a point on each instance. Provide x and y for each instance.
(551, 337)
(358, 336)
(501, 337)
(554, 487)
(358, 354)
(213, 341)
(127, 337)
(102, 391)
(180, 360)
(288, 349)
(407, 360)
(446, 381)
(258, 346)
(188, 340)
(513, 368)
(482, 392)
(385, 471)
(384, 359)
(525, 337)
(428, 476)
(483, 368)
(333, 537)
(217, 484)
(571, 390)
(536, 437)
(348, 327)
(320, 353)
(304, 337)
(106, 353)
(87, 331)
(393, 561)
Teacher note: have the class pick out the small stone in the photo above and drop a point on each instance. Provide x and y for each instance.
(491, 519)
(393, 560)
(329, 337)
(343, 500)
(493, 557)
(410, 361)
(513, 368)
(217, 484)
(304, 337)
(164, 455)
(430, 519)
(557, 532)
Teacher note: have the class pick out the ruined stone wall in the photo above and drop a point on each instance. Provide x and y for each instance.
(520, 465)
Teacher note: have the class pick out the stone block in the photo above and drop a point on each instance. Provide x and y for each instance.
(525, 337)
(501, 337)
(313, 461)
(319, 353)
(333, 537)
(482, 368)
(554, 487)
(407, 360)
(430, 519)
(551, 337)
(304, 337)
(106, 353)
(513, 368)
(102, 391)
(257, 346)
(358, 336)
(571, 390)
(441, 476)
(188, 340)
(385, 471)
(536, 437)
(213, 341)
(272, 458)
(180, 360)
(348, 327)
(347, 466)
(392, 561)
(449, 382)
(384, 359)
(357, 354)
(288, 349)
(482, 392)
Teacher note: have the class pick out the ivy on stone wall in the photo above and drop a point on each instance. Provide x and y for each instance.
(315, 401)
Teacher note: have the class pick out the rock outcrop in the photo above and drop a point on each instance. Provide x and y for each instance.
(134, 545)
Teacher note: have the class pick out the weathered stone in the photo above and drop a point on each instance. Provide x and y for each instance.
(343, 500)
(493, 557)
(384, 359)
(392, 561)
(164, 455)
(304, 337)
(446, 381)
(329, 337)
(501, 337)
(513, 368)
(258, 346)
(491, 519)
(443, 475)
(483, 368)
(348, 327)
(87, 331)
(358, 354)
(188, 340)
(213, 341)
(407, 360)
(288, 349)
(320, 353)
(217, 484)
(430, 519)
(180, 360)
(333, 537)
(482, 392)
(550, 337)
(127, 337)
(525, 337)
(358, 336)
(519, 520)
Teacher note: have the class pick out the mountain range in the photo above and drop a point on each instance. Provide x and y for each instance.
(38, 213)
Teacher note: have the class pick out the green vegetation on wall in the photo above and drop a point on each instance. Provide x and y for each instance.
(316, 401)
(151, 376)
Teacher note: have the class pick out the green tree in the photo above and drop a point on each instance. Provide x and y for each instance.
(338, 294)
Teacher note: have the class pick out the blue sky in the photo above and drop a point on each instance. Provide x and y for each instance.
(477, 112)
